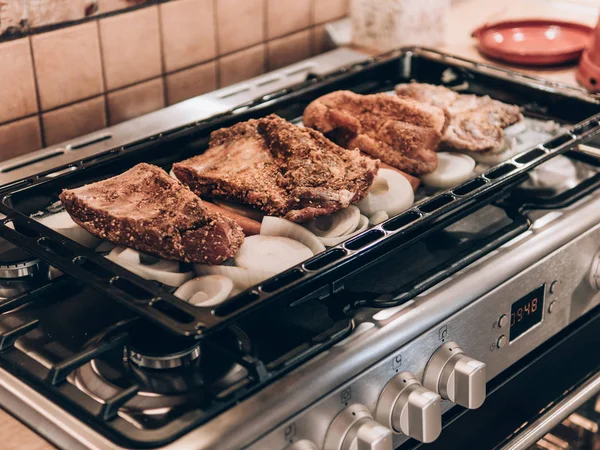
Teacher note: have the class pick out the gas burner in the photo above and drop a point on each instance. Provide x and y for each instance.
(168, 370)
(150, 348)
(171, 361)
(16, 262)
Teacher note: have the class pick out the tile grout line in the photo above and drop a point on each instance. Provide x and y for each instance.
(163, 64)
(103, 73)
(218, 55)
(265, 40)
(85, 99)
(163, 75)
(37, 93)
(312, 28)
(127, 86)
(28, 116)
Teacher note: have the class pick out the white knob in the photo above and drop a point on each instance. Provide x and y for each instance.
(304, 444)
(407, 407)
(355, 429)
(456, 376)
(370, 436)
(595, 272)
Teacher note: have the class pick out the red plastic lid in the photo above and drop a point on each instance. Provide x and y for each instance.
(533, 41)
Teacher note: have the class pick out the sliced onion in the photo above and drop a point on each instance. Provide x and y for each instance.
(62, 223)
(363, 223)
(130, 255)
(515, 129)
(556, 173)
(337, 224)
(166, 272)
(55, 207)
(209, 290)
(271, 253)
(240, 209)
(507, 150)
(378, 217)
(105, 247)
(391, 192)
(276, 226)
(242, 278)
(453, 169)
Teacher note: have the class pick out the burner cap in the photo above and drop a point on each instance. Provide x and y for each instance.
(170, 361)
(16, 262)
(153, 348)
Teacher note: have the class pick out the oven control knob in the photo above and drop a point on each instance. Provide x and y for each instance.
(304, 444)
(456, 376)
(407, 407)
(355, 429)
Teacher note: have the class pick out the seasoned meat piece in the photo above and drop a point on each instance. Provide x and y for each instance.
(476, 122)
(278, 168)
(145, 209)
(400, 132)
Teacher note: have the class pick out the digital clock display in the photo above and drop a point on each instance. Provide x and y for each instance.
(526, 312)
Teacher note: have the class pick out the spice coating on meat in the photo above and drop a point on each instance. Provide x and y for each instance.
(476, 121)
(403, 133)
(280, 169)
(145, 209)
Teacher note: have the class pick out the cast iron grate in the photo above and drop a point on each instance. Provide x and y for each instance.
(318, 277)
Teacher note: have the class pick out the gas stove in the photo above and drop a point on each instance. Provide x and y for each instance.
(457, 338)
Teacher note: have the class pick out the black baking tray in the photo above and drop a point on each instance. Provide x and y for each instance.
(324, 274)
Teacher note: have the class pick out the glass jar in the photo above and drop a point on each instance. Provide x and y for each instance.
(387, 24)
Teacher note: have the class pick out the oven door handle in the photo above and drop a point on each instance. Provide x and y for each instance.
(551, 418)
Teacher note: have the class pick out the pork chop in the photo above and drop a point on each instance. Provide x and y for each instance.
(278, 168)
(476, 122)
(403, 133)
(145, 209)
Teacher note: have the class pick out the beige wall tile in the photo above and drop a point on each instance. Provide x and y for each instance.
(242, 65)
(290, 49)
(189, 83)
(326, 10)
(17, 86)
(20, 137)
(74, 120)
(188, 33)
(67, 64)
(321, 41)
(287, 16)
(134, 101)
(130, 47)
(240, 24)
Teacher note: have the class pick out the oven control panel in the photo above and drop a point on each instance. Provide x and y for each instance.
(406, 394)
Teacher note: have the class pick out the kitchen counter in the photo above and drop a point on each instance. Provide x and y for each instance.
(465, 16)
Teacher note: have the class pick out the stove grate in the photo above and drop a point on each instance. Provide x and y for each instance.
(320, 276)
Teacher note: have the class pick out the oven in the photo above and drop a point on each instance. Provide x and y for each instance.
(469, 320)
